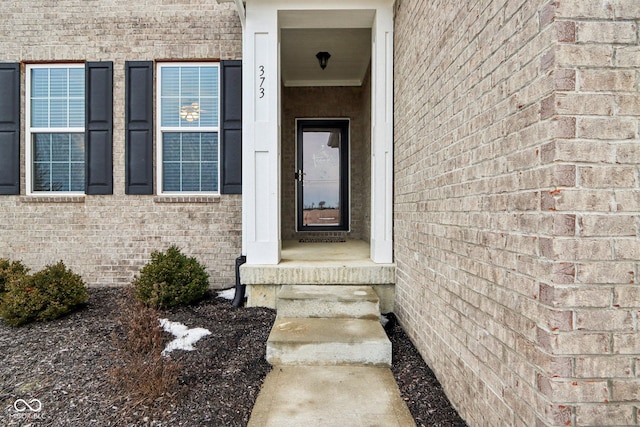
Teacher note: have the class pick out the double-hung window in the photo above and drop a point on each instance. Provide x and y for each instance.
(55, 109)
(188, 104)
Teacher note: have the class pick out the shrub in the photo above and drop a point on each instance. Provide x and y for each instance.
(141, 371)
(171, 279)
(10, 271)
(45, 295)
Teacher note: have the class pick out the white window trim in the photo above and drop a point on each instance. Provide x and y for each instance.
(160, 129)
(29, 131)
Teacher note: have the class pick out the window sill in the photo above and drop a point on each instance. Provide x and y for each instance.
(187, 199)
(52, 199)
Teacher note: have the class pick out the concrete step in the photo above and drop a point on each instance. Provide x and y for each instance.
(320, 341)
(328, 301)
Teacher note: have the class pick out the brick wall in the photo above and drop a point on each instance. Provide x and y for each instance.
(517, 205)
(107, 239)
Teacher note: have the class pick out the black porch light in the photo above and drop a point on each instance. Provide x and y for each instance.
(323, 57)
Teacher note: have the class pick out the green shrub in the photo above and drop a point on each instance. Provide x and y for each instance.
(45, 295)
(171, 278)
(10, 271)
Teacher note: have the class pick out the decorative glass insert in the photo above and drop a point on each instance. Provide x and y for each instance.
(56, 128)
(188, 123)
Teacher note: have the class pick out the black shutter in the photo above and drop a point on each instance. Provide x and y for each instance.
(231, 127)
(99, 127)
(139, 127)
(9, 128)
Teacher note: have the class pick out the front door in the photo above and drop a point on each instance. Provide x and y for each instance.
(322, 175)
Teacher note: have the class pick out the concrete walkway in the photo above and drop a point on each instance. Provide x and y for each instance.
(346, 396)
(328, 348)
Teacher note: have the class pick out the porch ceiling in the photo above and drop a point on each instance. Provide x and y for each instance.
(350, 50)
(345, 34)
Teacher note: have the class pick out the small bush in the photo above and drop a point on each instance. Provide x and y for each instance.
(171, 279)
(45, 295)
(10, 271)
(142, 372)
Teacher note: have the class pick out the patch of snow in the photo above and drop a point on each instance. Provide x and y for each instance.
(384, 320)
(185, 337)
(227, 294)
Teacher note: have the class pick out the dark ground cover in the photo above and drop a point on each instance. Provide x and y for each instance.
(68, 365)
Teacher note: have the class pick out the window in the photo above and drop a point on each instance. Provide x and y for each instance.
(55, 128)
(188, 103)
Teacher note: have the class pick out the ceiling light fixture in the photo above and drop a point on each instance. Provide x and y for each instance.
(323, 58)
(190, 112)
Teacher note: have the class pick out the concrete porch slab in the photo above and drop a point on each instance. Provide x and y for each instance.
(346, 263)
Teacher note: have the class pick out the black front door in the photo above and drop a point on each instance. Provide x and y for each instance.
(322, 175)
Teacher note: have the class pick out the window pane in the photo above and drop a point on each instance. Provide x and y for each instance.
(60, 148)
(77, 147)
(41, 177)
(190, 112)
(171, 147)
(209, 176)
(190, 177)
(76, 113)
(42, 147)
(58, 83)
(76, 83)
(209, 147)
(171, 177)
(191, 147)
(58, 113)
(189, 96)
(170, 81)
(190, 161)
(170, 112)
(40, 113)
(209, 82)
(209, 112)
(58, 162)
(190, 81)
(77, 176)
(60, 176)
(40, 83)
(57, 97)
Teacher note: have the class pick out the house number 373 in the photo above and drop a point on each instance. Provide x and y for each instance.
(261, 79)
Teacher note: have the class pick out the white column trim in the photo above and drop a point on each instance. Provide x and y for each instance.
(382, 137)
(261, 138)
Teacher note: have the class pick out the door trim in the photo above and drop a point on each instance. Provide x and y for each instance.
(344, 124)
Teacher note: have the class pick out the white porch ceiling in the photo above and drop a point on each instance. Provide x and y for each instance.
(345, 34)
(350, 50)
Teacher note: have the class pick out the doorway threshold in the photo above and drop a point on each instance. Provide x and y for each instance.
(347, 251)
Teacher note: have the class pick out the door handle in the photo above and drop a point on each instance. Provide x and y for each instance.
(298, 175)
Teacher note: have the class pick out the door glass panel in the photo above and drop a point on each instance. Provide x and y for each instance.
(321, 177)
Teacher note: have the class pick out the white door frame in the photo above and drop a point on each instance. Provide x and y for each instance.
(261, 181)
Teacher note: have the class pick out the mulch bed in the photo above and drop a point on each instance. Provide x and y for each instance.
(67, 365)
